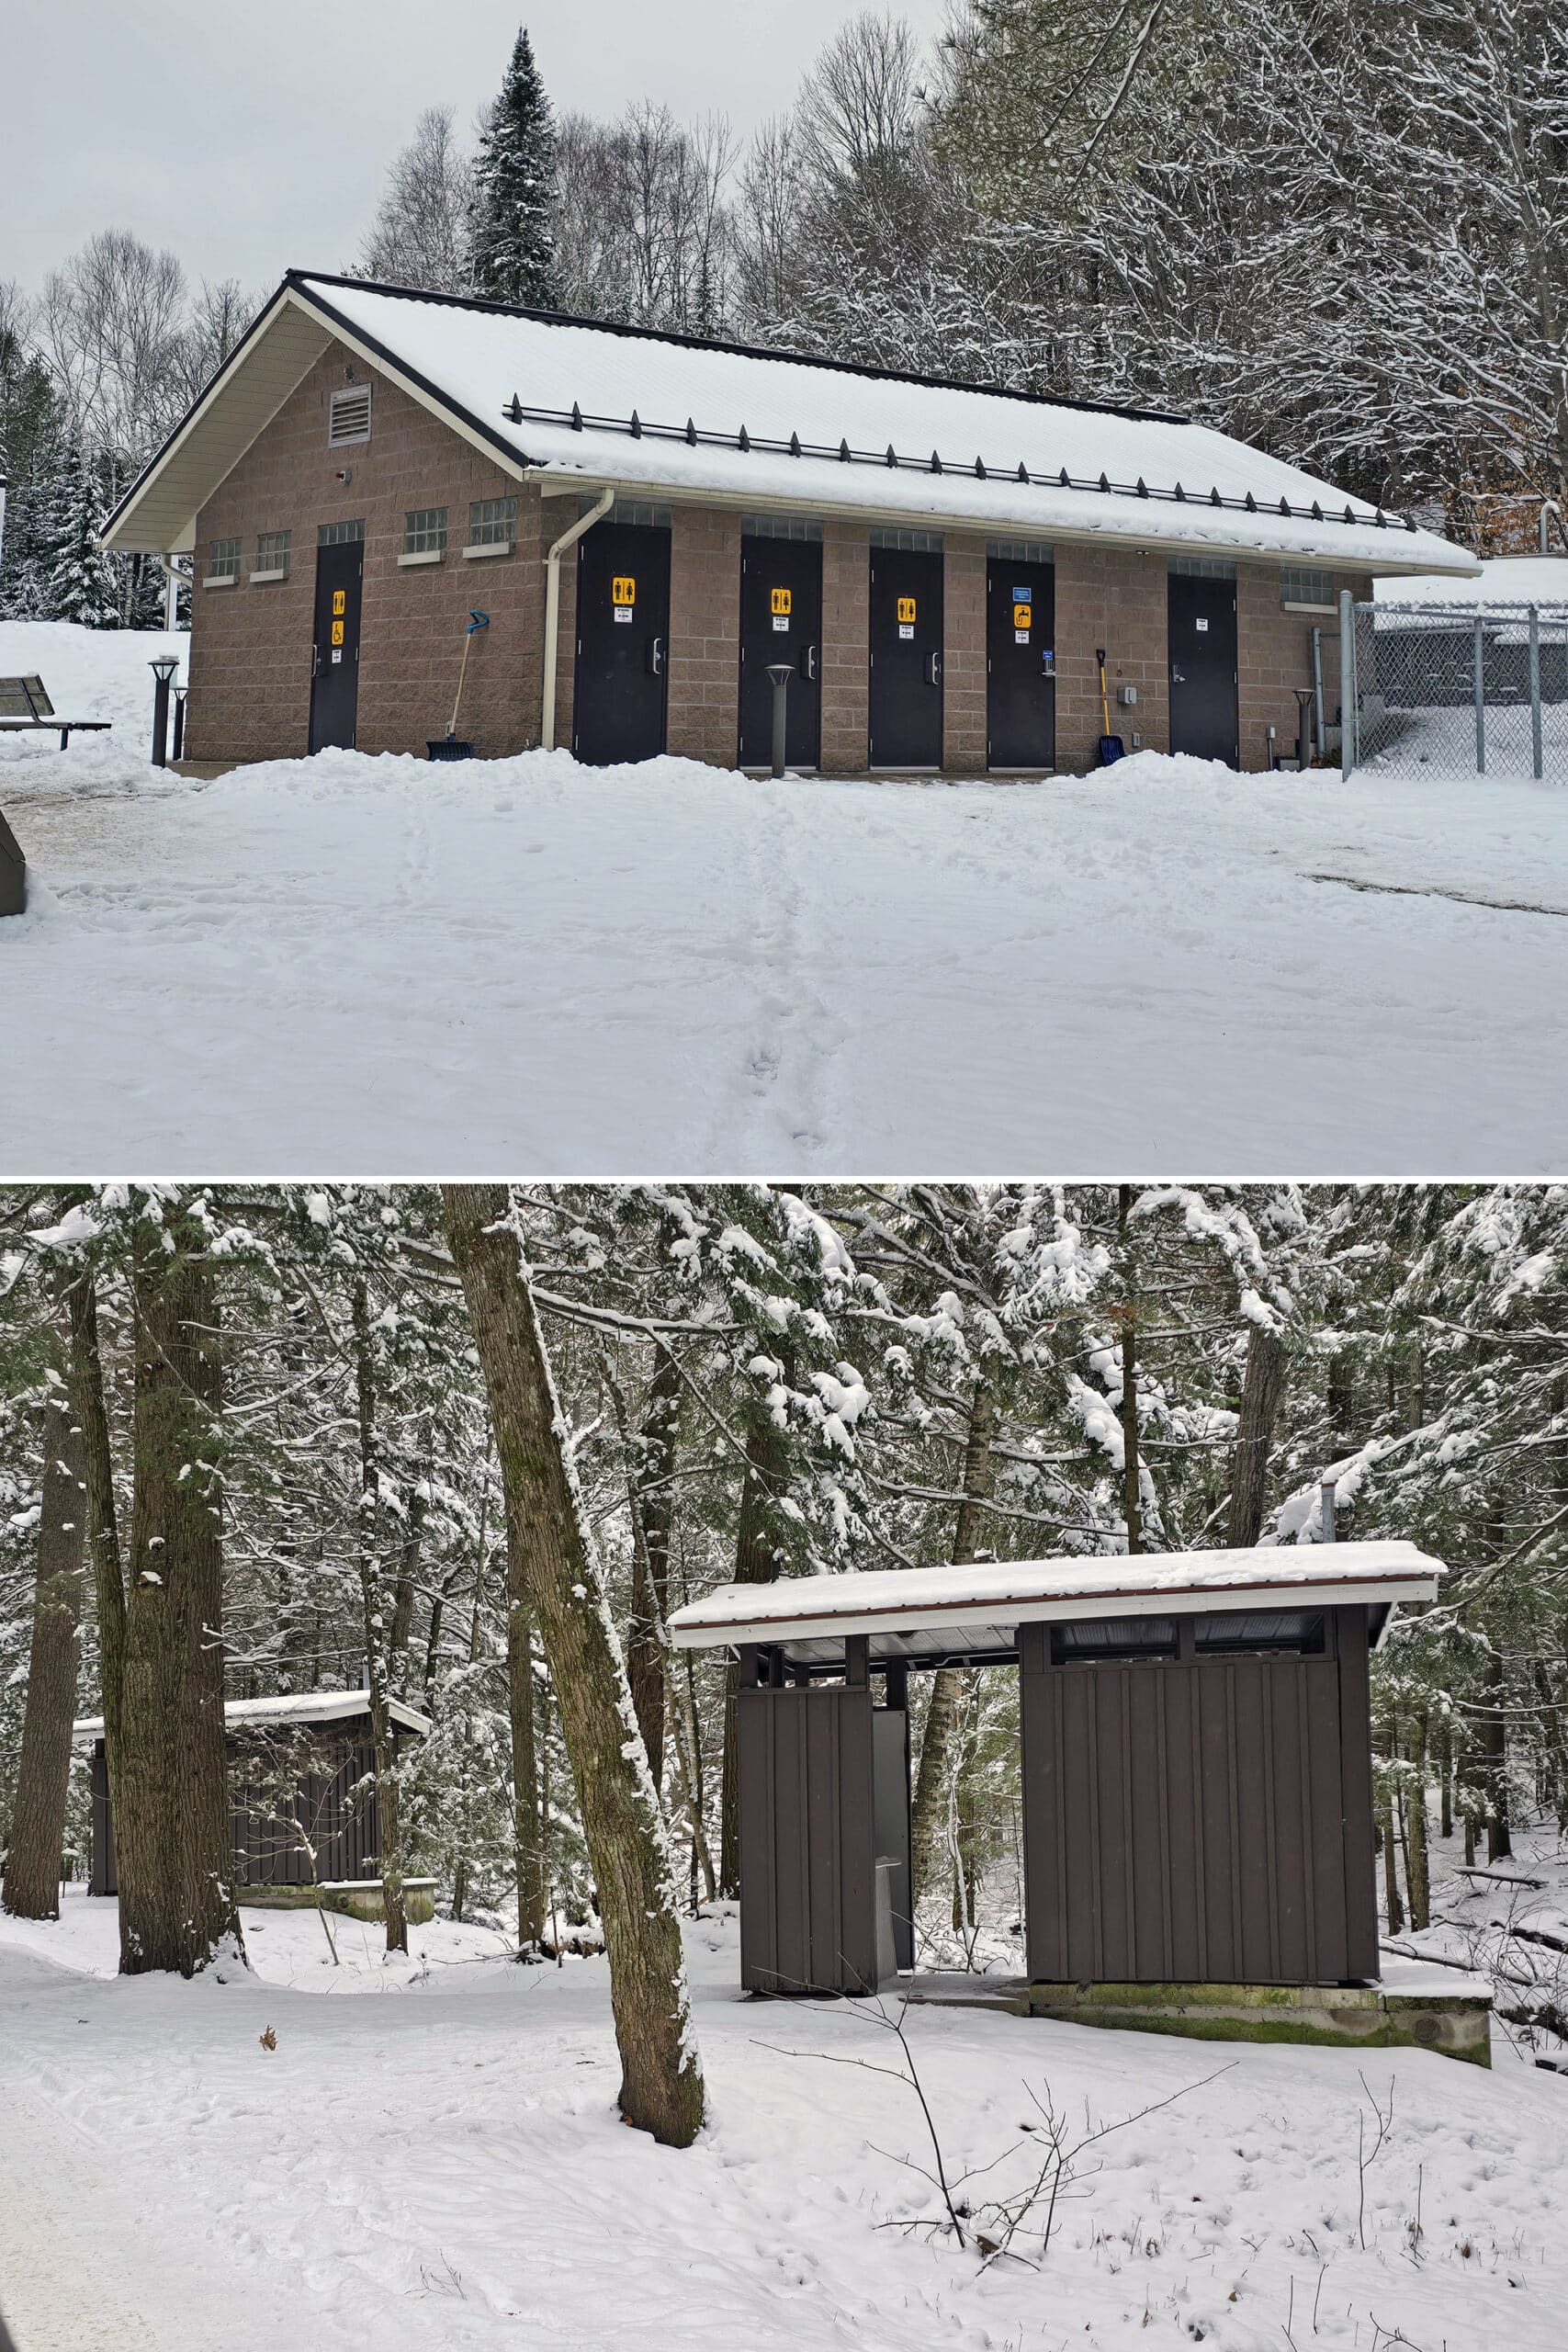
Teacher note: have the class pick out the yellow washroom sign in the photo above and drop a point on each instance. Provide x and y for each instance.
(337, 632)
(1020, 616)
(340, 600)
(622, 591)
(780, 600)
(906, 608)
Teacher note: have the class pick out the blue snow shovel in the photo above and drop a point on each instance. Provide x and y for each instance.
(449, 748)
(1111, 747)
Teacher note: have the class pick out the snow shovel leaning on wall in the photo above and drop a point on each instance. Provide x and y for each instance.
(1111, 747)
(449, 748)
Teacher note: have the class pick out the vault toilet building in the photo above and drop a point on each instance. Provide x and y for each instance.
(1196, 1784)
(655, 520)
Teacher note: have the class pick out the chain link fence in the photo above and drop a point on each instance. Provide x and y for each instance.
(1458, 689)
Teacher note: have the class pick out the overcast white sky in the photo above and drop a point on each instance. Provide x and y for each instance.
(252, 135)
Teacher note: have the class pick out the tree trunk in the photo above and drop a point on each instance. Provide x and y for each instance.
(31, 1886)
(174, 1849)
(1262, 1394)
(383, 1732)
(103, 1524)
(407, 1570)
(652, 1498)
(1132, 1489)
(1494, 1749)
(756, 1562)
(1446, 1778)
(928, 1813)
(528, 1844)
(1417, 1869)
(662, 2083)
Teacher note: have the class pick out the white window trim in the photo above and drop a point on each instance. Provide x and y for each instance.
(278, 572)
(486, 548)
(221, 580)
(1293, 604)
(421, 555)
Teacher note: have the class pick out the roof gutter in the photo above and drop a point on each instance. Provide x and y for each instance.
(601, 506)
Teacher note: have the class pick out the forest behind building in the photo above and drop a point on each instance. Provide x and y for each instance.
(1336, 229)
(751, 1383)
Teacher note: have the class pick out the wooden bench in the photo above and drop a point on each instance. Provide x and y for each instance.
(25, 708)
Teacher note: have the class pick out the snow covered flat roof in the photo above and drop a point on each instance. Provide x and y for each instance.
(991, 1597)
(296, 1707)
(580, 405)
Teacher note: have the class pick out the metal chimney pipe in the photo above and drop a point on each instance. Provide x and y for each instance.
(1326, 1492)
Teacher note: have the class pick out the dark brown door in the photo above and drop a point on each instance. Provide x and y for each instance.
(334, 681)
(1185, 1822)
(906, 658)
(623, 643)
(807, 1866)
(1203, 718)
(781, 620)
(1021, 664)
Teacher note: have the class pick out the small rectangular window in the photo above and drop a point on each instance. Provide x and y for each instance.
(1020, 550)
(493, 522)
(272, 555)
(639, 511)
(1296, 1632)
(911, 542)
(340, 535)
(1305, 591)
(1202, 566)
(425, 531)
(780, 526)
(223, 558)
(350, 416)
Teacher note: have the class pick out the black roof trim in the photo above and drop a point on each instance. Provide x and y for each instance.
(304, 279)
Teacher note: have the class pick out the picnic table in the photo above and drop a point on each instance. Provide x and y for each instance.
(25, 708)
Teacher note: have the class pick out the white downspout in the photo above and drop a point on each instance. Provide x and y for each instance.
(176, 580)
(601, 505)
(1549, 506)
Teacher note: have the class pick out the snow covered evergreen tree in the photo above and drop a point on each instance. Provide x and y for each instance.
(80, 584)
(512, 244)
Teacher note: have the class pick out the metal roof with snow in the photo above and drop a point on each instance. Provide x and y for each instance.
(927, 1614)
(578, 405)
(292, 1707)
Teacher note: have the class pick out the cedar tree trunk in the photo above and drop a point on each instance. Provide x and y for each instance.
(1262, 1394)
(662, 2083)
(31, 1888)
(383, 1733)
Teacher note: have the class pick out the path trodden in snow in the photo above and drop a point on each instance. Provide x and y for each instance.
(443, 2165)
(351, 962)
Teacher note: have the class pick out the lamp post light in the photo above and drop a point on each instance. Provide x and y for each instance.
(162, 669)
(180, 694)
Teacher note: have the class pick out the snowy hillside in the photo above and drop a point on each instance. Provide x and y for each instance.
(353, 962)
(443, 2165)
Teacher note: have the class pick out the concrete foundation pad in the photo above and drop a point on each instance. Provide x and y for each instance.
(1439, 2009)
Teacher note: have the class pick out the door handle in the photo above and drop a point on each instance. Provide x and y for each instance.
(934, 669)
(315, 661)
(808, 663)
(1178, 675)
(655, 657)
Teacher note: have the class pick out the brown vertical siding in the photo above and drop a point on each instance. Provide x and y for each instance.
(963, 656)
(807, 1870)
(705, 633)
(846, 648)
(1195, 1821)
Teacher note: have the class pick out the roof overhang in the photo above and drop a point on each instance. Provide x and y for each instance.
(158, 513)
(929, 1613)
(294, 1710)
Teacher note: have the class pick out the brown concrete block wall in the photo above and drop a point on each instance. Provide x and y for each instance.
(964, 714)
(1274, 656)
(705, 633)
(846, 648)
(250, 661)
(1115, 598)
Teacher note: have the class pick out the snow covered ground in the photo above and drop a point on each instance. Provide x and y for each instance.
(353, 964)
(1506, 1920)
(438, 2162)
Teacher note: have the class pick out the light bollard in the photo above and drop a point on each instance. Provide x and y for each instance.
(781, 674)
(162, 669)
